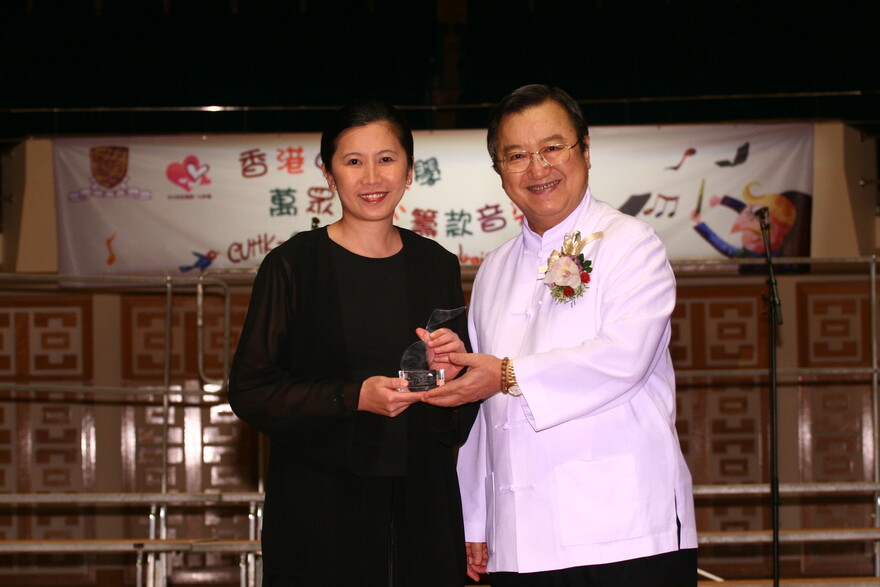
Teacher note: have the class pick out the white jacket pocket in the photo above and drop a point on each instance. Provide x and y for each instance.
(598, 500)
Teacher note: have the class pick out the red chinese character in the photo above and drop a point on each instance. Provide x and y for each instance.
(425, 222)
(491, 218)
(291, 159)
(320, 201)
(253, 163)
(517, 214)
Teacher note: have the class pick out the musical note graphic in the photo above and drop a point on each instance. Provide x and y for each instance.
(111, 258)
(742, 153)
(687, 154)
(666, 200)
(634, 204)
(700, 197)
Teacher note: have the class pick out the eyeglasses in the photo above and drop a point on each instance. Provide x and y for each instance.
(550, 156)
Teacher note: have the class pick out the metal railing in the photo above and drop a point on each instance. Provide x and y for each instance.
(152, 567)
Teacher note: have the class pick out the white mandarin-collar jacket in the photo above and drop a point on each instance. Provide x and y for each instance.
(585, 467)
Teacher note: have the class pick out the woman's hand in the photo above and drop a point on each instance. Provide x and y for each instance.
(439, 344)
(380, 395)
(477, 559)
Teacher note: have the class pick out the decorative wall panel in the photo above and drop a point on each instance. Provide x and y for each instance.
(836, 430)
(834, 323)
(144, 336)
(722, 420)
(722, 427)
(208, 448)
(46, 439)
(719, 328)
(45, 338)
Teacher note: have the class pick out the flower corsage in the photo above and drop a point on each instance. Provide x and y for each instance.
(567, 273)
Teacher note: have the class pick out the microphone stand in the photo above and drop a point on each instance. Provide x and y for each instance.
(774, 311)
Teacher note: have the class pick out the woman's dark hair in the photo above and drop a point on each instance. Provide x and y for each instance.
(534, 95)
(361, 113)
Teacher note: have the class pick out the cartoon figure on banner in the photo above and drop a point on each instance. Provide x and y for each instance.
(189, 173)
(109, 177)
(790, 214)
(202, 261)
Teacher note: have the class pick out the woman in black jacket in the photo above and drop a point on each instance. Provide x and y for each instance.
(361, 487)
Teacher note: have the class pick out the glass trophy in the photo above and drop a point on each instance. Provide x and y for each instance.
(414, 362)
(423, 379)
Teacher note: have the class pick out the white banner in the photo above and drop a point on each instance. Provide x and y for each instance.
(179, 205)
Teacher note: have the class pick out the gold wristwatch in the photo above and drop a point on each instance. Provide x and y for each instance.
(509, 386)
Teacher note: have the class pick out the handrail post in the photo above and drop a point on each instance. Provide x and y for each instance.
(164, 556)
(151, 557)
(875, 402)
(139, 569)
(200, 332)
(164, 559)
(252, 533)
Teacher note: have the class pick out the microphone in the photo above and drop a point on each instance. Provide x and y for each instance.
(762, 213)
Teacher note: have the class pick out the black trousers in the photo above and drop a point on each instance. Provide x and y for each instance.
(671, 569)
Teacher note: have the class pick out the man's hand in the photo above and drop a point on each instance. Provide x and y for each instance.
(439, 344)
(477, 559)
(380, 395)
(482, 380)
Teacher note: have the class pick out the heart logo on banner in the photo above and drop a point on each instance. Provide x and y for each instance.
(189, 173)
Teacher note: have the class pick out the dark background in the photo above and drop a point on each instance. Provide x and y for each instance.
(149, 66)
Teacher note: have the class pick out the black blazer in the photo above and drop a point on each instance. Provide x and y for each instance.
(291, 380)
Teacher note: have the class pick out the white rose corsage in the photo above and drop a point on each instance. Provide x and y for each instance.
(567, 273)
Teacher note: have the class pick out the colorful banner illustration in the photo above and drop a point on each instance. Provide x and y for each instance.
(159, 205)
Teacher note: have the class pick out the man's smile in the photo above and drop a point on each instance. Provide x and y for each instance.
(543, 186)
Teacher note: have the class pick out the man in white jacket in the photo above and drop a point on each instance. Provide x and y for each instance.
(573, 473)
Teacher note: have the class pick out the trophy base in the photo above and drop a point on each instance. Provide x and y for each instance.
(423, 379)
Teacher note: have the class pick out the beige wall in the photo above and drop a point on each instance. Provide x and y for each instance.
(844, 217)
(29, 234)
(845, 223)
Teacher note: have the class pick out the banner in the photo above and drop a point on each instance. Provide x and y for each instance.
(179, 205)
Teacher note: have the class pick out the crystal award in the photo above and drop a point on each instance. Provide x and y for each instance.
(414, 362)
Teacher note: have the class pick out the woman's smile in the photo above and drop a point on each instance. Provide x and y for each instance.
(373, 197)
